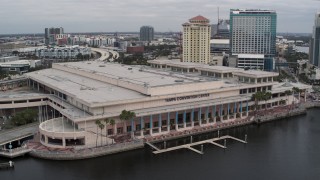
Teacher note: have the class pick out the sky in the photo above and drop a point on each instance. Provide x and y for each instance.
(32, 16)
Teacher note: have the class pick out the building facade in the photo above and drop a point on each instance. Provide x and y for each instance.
(146, 33)
(73, 96)
(52, 34)
(315, 42)
(196, 40)
(254, 32)
(69, 52)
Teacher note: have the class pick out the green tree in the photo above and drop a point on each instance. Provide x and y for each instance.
(258, 96)
(267, 96)
(25, 117)
(98, 122)
(288, 93)
(125, 116)
(101, 126)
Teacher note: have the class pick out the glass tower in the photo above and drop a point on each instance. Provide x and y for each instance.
(253, 32)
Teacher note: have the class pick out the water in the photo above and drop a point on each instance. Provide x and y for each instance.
(288, 149)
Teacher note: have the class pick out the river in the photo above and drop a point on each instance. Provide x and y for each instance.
(287, 149)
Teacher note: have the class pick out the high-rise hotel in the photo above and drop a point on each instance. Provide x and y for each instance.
(196, 40)
(146, 33)
(253, 37)
(315, 42)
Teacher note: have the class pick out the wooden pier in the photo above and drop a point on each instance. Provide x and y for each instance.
(7, 165)
(189, 146)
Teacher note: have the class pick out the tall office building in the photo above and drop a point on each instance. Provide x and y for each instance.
(146, 33)
(315, 42)
(253, 37)
(50, 34)
(221, 30)
(196, 40)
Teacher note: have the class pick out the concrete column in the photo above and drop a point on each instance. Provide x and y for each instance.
(207, 115)
(168, 122)
(214, 113)
(177, 120)
(38, 86)
(200, 122)
(64, 142)
(192, 117)
(228, 110)
(305, 95)
(150, 124)
(115, 129)
(132, 125)
(46, 139)
(160, 123)
(247, 109)
(240, 109)
(184, 119)
(221, 117)
(141, 126)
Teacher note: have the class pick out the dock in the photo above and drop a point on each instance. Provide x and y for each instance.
(12, 153)
(189, 145)
(7, 165)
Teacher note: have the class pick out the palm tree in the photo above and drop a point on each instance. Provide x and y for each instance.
(127, 115)
(101, 126)
(258, 96)
(288, 92)
(112, 123)
(296, 90)
(97, 123)
(266, 97)
(107, 121)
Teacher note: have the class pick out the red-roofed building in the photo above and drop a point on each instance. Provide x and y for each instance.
(199, 19)
(196, 40)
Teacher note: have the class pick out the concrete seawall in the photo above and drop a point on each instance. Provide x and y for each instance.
(87, 153)
(137, 144)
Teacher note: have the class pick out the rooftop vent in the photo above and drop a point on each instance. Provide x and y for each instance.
(102, 65)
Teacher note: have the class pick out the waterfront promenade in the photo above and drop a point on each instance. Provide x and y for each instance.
(126, 143)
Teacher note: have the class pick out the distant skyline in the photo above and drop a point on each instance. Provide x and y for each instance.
(32, 16)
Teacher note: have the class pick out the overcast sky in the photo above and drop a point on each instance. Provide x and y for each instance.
(32, 16)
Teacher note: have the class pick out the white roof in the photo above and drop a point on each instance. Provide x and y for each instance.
(256, 73)
(86, 89)
(220, 69)
(253, 56)
(220, 41)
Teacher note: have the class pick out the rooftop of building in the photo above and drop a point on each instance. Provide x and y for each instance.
(251, 11)
(220, 41)
(198, 18)
(256, 73)
(85, 89)
(13, 95)
(95, 82)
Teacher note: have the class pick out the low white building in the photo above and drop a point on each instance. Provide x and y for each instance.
(63, 52)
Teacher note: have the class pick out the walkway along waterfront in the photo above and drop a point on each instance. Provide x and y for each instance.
(41, 151)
